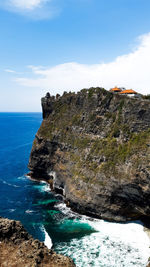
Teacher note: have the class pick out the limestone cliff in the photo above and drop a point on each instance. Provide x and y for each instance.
(94, 148)
(18, 248)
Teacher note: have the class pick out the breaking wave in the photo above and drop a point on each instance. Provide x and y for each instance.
(111, 244)
(47, 241)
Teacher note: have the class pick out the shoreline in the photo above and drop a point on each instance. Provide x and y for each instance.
(146, 226)
(138, 224)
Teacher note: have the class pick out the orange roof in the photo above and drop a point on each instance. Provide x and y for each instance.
(115, 89)
(129, 91)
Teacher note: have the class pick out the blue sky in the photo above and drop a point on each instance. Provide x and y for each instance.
(57, 45)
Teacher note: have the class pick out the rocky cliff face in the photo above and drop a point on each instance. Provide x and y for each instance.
(94, 148)
(18, 248)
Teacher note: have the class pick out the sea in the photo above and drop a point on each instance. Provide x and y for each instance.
(88, 241)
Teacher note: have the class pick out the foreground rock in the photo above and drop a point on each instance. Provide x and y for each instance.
(94, 148)
(18, 248)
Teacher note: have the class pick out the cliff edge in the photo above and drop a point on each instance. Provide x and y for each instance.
(18, 248)
(94, 147)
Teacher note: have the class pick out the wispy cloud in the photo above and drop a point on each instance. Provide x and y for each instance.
(34, 9)
(27, 4)
(13, 72)
(130, 71)
(10, 71)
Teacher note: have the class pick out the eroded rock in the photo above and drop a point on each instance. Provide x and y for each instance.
(18, 248)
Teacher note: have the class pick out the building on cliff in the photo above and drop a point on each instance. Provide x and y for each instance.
(115, 90)
(129, 92)
(124, 91)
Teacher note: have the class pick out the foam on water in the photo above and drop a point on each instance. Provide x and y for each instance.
(11, 210)
(112, 244)
(66, 210)
(29, 211)
(13, 185)
(47, 241)
(23, 177)
(43, 187)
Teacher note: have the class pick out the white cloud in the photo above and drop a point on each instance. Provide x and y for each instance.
(26, 4)
(10, 71)
(130, 71)
(34, 9)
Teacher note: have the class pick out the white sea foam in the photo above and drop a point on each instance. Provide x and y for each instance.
(47, 241)
(130, 236)
(63, 208)
(29, 211)
(66, 210)
(13, 185)
(113, 244)
(11, 210)
(43, 187)
(22, 177)
(46, 188)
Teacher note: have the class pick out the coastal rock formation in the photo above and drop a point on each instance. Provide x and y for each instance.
(94, 147)
(18, 248)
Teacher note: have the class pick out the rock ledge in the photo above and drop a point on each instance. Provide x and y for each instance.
(18, 248)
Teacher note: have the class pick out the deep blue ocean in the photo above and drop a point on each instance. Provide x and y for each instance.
(88, 241)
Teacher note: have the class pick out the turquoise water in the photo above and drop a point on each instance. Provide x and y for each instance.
(89, 242)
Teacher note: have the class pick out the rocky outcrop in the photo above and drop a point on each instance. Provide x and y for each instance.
(94, 148)
(18, 248)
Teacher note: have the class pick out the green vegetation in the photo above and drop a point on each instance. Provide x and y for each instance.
(114, 154)
(91, 92)
(110, 115)
(121, 105)
(46, 130)
(76, 119)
